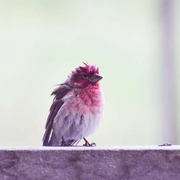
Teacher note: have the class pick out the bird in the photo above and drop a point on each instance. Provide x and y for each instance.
(77, 108)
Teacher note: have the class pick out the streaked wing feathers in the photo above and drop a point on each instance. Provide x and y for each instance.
(59, 93)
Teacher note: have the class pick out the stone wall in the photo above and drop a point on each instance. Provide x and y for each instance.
(90, 163)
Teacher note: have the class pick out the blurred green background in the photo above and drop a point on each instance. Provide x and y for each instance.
(134, 43)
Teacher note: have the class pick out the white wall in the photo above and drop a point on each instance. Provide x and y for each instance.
(41, 42)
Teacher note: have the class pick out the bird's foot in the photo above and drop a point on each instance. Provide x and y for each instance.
(88, 144)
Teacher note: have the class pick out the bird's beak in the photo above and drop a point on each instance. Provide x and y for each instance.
(95, 78)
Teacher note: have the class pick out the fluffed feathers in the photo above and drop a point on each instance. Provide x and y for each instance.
(77, 108)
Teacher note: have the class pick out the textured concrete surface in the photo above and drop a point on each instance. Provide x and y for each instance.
(94, 163)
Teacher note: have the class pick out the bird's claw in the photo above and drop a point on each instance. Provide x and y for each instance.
(87, 144)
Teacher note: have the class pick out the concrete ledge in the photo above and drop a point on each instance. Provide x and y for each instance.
(94, 163)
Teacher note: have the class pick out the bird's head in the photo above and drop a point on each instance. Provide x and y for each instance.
(85, 75)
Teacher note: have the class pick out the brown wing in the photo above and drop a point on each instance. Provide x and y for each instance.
(59, 93)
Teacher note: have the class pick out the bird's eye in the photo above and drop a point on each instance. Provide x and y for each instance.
(85, 76)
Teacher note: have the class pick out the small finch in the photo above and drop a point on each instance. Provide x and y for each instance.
(76, 110)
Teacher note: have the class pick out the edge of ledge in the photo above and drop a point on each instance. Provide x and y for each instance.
(82, 148)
